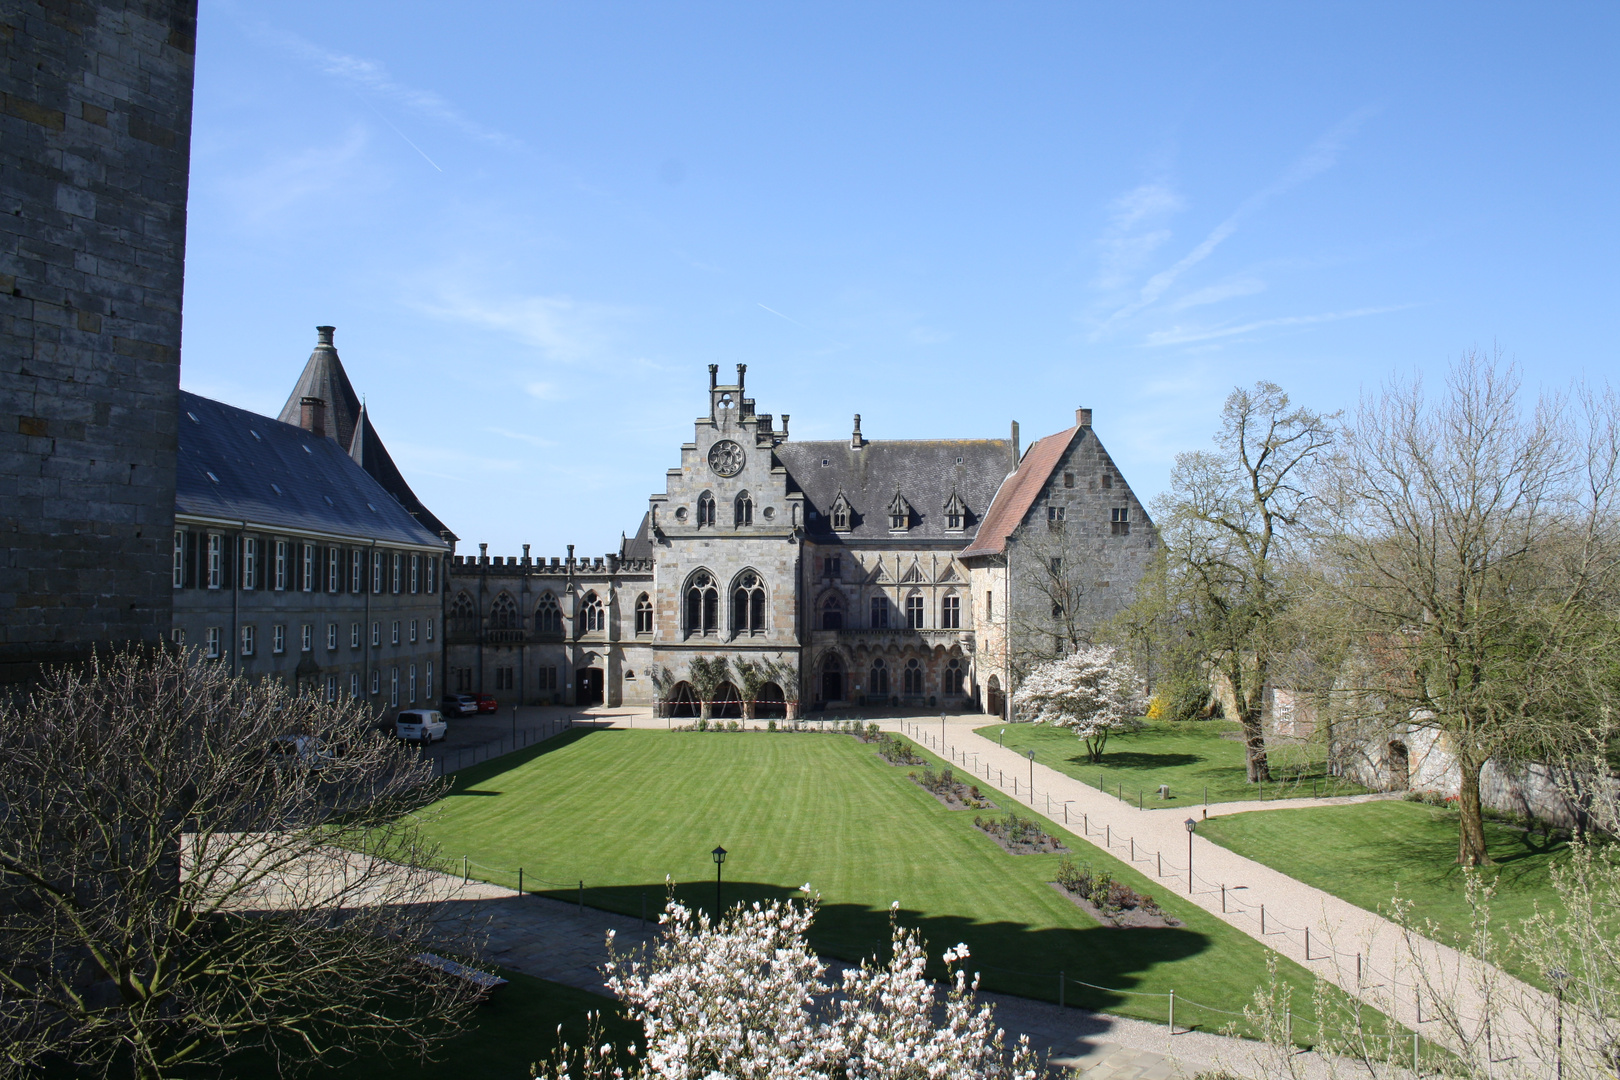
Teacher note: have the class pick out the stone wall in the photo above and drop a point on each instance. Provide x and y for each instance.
(95, 137)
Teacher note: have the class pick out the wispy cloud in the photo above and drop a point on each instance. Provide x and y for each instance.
(779, 315)
(1134, 232)
(268, 191)
(1214, 294)
(1185, 335)
(544, 391)
(563, 329)
(532, 440)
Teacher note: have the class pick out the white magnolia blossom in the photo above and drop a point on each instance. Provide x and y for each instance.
(1094, 690)
(743, 998)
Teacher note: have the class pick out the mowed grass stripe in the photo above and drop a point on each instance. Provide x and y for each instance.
(621, 809)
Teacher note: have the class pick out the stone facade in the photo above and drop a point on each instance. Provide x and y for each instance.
(95, 111)
(877, 570)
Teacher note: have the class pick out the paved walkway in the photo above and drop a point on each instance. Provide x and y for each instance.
(1361, 952)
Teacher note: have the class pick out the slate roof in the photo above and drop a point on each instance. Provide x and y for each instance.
(1019, 493)
(368, 450)
(639, 546)
(249, 456)
(924, 471)
(323, 377)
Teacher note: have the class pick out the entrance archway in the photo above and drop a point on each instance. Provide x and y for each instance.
(588, 686)
(770, 704)
(682, 701)
(1400, 767)
(727, 703)
(992, 696)
(832, 678)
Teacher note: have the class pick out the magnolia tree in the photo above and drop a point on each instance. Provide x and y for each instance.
(1094, 690)
(744, 997)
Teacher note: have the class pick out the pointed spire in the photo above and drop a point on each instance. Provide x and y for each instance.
(324, 379)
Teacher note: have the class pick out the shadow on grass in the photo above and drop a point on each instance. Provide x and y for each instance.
(465, 781)
(1136, 759)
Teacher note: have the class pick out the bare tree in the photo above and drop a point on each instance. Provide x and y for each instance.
(1476, 558)
(1233, 522)
(191, 864)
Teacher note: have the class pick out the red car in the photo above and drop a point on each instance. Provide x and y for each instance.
(487, 703)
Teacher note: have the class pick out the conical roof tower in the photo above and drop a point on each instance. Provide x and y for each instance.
(324, 378)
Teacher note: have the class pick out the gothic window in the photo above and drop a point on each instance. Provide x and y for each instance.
(954, 676)
(503, 614)
(1120, 520)
(879, 681)
(913, 678)
(914, 611)
(842, 513)
(592, 615)
(548, 615)
(899, 513)
(880, 612)
(462, 610)
(644, 612)
(744, 512)
(832, 613)
(748, 604)
(702, 604)
(705, 509)
(950, 612)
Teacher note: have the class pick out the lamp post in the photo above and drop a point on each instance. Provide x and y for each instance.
(719, 854)
(999, 737)
(942, 730)
(1559, 979)
(1032, 777)
(1191, 827)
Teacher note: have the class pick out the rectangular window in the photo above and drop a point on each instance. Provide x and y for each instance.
(179, 558)
(832, 566)
(880, 612)
(216, 560)
(396, 631)
(1054, 513)
(309, 637)
(1108, 480)
(250, 561)
(354, 635)
(914, 612)
(989, 604)
(307, 583)
(357, 565)
(281, 564)
(413, 631)
(247, 641)
(548, 678)
(413, 684)
(331, 636)
(950, 613)
(331, 688)
(376, 681)
(432, 573)
(393, 687)
(178, 635)
(376, 634)
(1120, 519)
(354, 686)
(430, 630)
(1068, 479)
(1055, 564)
(394, 581)
(416, 563)
(376, 572)
(278, 638)
(214, 635)
(334, 569)
(427, 691)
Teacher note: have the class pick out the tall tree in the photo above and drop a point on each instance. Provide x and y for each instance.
(1476, 557)
(1234, 527)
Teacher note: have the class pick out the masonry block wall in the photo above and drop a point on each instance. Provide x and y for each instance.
(95, 137)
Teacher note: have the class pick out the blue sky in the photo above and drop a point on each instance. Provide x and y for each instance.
(535, 225)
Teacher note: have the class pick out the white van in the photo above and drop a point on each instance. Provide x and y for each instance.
(420, 725)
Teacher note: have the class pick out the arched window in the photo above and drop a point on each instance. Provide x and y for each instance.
(462, 608)
(954, 676)
(644, 611)
(914, 678)
(879, 681)
(744, 510)
(914, 611)
(842, 514)
(592, 615)
(705, 509)
(832, 612)
(548, 615)
(702, 603)
(950, 612)
(503, 613)
(880, 612)
(748, 604)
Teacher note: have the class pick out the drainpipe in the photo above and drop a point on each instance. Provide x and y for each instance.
(1006, 637)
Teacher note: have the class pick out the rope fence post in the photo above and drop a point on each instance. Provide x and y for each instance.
(465, 876)
(582, 896)
(1160, 854)
(1307, 943)
(520, 881)
(1223, 904)
(1172, 1024)
(1262, 920)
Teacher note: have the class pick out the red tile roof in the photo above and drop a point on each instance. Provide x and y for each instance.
(1018, 493)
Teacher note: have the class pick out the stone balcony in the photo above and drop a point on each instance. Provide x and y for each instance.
(883, 636)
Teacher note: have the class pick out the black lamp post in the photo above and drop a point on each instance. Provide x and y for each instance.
(1000, 737)
(719, 854)
(1032, 776)
(1559, 979)
(1191, 827)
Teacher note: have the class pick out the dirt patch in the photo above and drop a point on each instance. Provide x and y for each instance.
(1019, 836)
(1125, 919)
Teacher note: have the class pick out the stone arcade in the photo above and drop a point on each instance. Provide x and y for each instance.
(883, 571)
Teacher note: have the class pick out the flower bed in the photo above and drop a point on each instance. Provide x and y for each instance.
(945, 787)
(1018, 836)
(1110, 902)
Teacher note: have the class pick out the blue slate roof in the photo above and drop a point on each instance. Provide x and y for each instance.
(240, 466)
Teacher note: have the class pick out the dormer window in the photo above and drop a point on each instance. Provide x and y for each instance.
(899, 514)
(955, 512)
(842, 514)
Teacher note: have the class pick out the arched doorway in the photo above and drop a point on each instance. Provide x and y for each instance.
(727, 703)
(589, 685)
(682, 701)
(832, 678)
(992, 696)
(1400, 767)
(770, 704)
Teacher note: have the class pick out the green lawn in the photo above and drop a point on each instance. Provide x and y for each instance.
(622, 809)
(1367, 852)
(1189, 755)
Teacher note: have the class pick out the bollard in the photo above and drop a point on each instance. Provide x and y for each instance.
(1223, 903)
(1307, 944)
(581, 896)
(520, 881)
(465, 877)
(1133, 849)
(1139, 798)
(1172, 1011)
(1414, 1053)
(1085, 823)
(1108, 836)
(1161, 863)
(1358, 971)
(1262, 920)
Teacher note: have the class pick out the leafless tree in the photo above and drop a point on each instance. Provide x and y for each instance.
(191, 864)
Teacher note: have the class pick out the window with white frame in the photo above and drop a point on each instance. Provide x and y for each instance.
(430, 629)
(412, 686)
(178, 635)
(1120, 521)
(331, 637)
(376, 572)
(278, 638)
(914, 611)
(331, 688)
(950, 612)
(376, 634)
(393, 687)
(376, 681)
(281, 565)
(428, 689)
(308, 639)
(179, 558)
(432, 575)
(1055, 513)
(416, 565)
(250, 561)
(357, 564)
(308, 582)
(396, 631)
(354, 686)
(216, 560)
(334, 569)
(354, 635)
(247, 640)
(214, 635)
(395, 579)
(413, 631)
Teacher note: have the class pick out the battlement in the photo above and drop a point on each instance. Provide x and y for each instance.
(600, 565)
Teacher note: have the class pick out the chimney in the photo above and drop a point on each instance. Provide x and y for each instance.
(784, 425)
(1082, 417)
(323, 336)
(855, 439)
(714, 376)
(483, 554)
(742, 369)
(312, 416)
(1015, 454)
(525, 554)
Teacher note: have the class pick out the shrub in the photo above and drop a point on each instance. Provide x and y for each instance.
(771, 726)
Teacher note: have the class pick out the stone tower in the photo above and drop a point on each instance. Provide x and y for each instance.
(95, 144)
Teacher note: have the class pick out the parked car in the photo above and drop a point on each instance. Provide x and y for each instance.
(487, 703)
(458, 704)
(420, 725)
